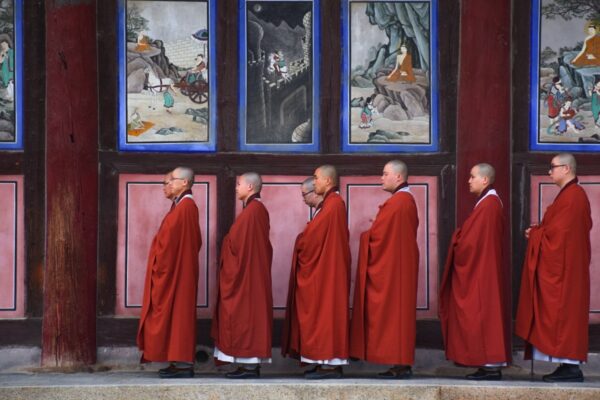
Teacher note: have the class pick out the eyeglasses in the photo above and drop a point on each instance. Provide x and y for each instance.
(307, 193)
(552, 166)
(171, 180)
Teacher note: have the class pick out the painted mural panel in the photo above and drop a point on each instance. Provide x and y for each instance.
(12, 247)
(543, 193)
(279, 65)
(142, 207)
(167, 79)
(10, 74)
(363, 196)
(389, 99)
(288, 215)
(565, 70)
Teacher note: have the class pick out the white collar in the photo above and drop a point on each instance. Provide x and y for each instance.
(404, 189)
(491, 192)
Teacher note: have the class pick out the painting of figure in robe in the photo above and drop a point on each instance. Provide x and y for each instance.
(568, 71)
(389, 72)
(168, 71)
(8, 67)
(277, 84)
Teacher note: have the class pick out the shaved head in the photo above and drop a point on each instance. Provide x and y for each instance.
(487, 171)
(399, 167)
(309, 184)
(184, 173)
(569, 160)
(254, 179)
(329, 171)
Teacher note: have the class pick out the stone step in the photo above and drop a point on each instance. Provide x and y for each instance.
(145, 385)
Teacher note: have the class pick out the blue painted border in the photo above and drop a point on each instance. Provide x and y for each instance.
(433, 146)
(209, 146)
(316, 66)
(17, 144)
(534, 99)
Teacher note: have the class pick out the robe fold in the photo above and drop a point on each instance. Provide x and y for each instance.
(167, 329)
(383, 327)
(317, 315)
(474, 302)
(554, 300)
(243, 316)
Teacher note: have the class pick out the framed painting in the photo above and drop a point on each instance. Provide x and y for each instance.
(279, 75)
(11, 75)
(167, 83)
(389, 76)
(565, 75)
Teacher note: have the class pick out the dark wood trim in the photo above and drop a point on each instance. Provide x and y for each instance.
(33, 163)
(107, 245)
(330, 75)
(22, 332)
(227, 75)
(123, 331)
(108, 74)
(520, 75)
(448, 51)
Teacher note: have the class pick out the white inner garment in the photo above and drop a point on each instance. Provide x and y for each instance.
(540, 356)
(333, 361)
(219, 355)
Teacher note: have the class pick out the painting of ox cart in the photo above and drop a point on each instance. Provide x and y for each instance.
(167, 81)
(565, 75)
(11, 66)
(389, 76)
(279, 75)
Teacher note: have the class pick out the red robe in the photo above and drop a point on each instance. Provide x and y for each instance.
(474, 295)
(383, 327)
(554, 302)
(243, 316)
(317, 315)
(167, 330)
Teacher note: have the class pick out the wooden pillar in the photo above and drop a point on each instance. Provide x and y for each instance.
(483, 127)
(69, 321)
(484, 117)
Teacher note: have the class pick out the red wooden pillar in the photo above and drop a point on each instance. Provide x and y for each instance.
(483, 98)
(484, 106)
(69, 321)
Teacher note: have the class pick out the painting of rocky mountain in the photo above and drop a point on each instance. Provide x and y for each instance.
(565, 110)
(9, 66)
(389, 72)
(168, 75)
(278, 77)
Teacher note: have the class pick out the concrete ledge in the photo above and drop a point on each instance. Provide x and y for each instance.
(145, 385)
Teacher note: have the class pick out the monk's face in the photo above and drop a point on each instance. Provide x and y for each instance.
(178, 184)
(390, 180)
(321, 182)
(243, 190)
(558, 172)
(477, 183)
(167, 186)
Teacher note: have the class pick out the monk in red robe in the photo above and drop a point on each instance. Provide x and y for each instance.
(474, 296)
(167, 330)
(383, 327)
(243, 317)
(554, 301)
(316, 322)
